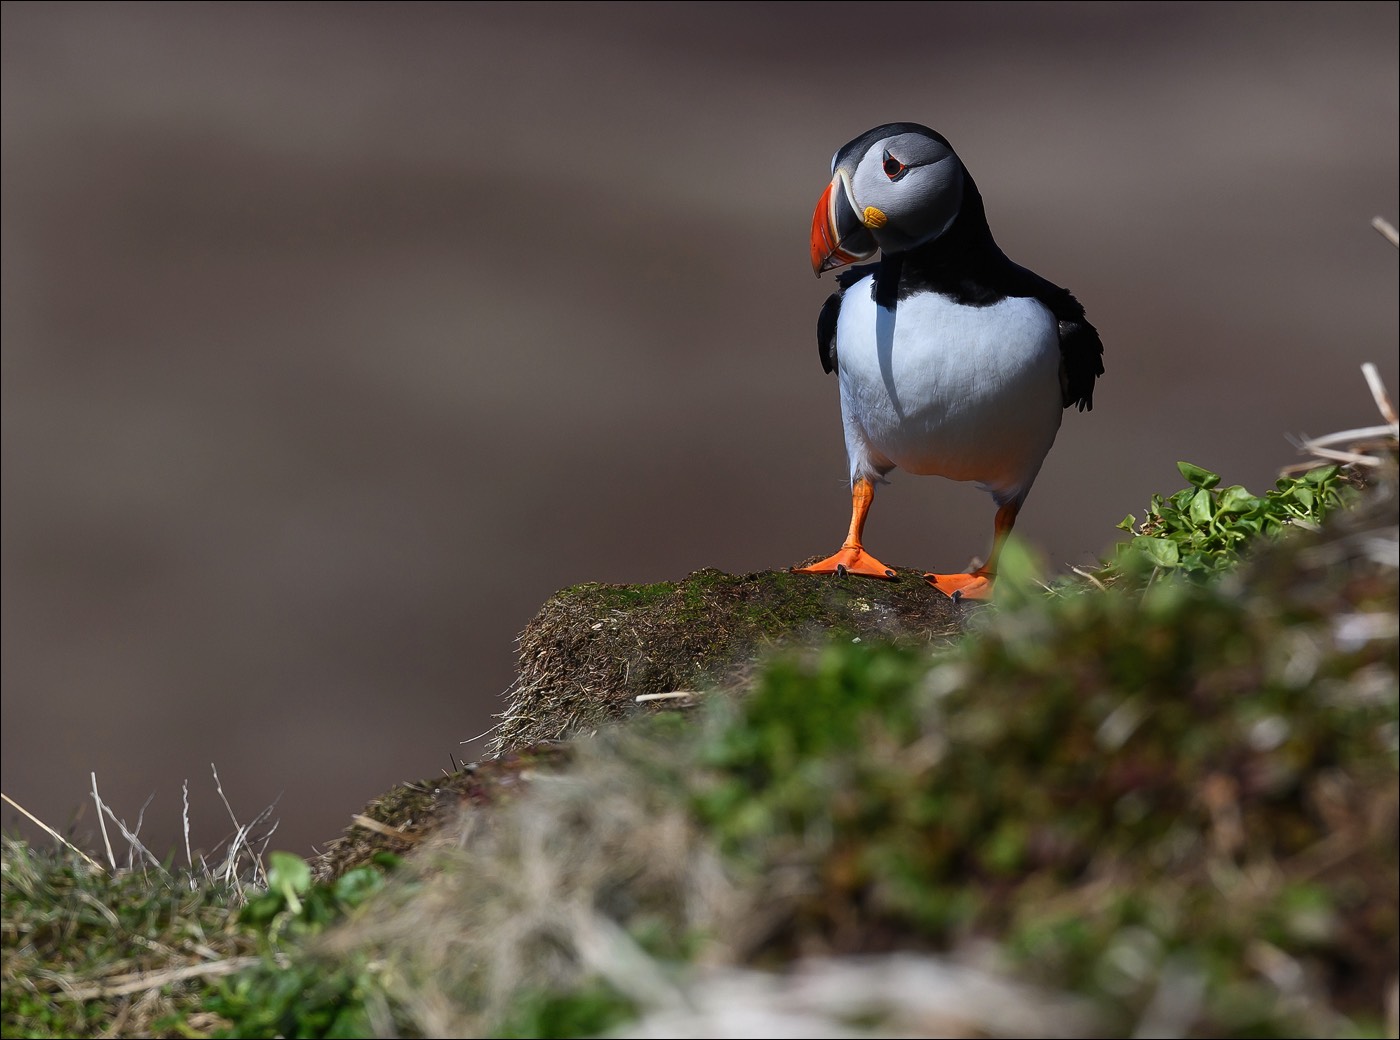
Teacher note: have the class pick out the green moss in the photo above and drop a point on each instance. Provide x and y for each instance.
(593, 649)
(617, 597)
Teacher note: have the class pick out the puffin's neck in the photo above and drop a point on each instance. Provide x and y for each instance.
(967, 245)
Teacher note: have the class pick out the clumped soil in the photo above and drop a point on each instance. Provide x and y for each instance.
(402, 817)
(594, 648)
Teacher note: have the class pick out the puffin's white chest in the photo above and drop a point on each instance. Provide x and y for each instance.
(938, 387)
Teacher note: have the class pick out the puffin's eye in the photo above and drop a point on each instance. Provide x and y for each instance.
(893, 167)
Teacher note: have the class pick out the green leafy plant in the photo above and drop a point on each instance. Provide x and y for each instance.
(588, 1010)
(292, 991)
(294, 904)
(1202, 529)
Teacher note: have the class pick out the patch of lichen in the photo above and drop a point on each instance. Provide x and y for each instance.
(593, 648)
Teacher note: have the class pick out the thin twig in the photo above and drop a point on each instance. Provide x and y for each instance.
(220, 788)
(266, 841)
(136, 831)
(53, 833)
(371, 824)
(133, 842)
(642, 698)
(105, 840)
(1387, 229)
(1351, 458)
(1358, 443)
(231, 859)
(484, 733)
(240, 836)
(1350, 436)
(185, 817)
(1086, 574)
(1373, 380)
(155, 980)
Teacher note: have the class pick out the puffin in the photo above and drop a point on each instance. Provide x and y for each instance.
(952, 360)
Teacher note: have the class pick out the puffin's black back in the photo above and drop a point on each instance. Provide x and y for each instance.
(966, 265)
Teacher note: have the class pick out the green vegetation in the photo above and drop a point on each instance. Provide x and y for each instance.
(71, 945)
(152, 953)
(1172, 798)
(1121, 771)
(1200, 530)
(1161, 798)
(303, 995)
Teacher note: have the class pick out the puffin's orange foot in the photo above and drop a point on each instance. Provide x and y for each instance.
(962, 586)
(850, 560)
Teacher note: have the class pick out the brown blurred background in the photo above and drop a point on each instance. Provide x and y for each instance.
(336, 338)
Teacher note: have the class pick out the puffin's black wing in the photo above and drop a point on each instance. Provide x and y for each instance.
(1081, 359)
(826, 331)
(966, 265)
(831, 309)
(1081, 350)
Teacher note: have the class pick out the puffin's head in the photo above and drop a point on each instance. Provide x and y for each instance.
(892, 188)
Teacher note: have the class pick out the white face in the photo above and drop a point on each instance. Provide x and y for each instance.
(915, 181)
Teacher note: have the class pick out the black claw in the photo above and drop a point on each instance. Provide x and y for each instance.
(957, 596)
(840, 570)
(889, 573)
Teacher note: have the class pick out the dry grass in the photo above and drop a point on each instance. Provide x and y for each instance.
(123, 947)
(530, 898)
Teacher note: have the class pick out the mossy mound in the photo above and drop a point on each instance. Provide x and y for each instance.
(1171, 805)
(594, 648)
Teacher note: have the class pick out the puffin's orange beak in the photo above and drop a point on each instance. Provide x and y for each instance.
(839, 237)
